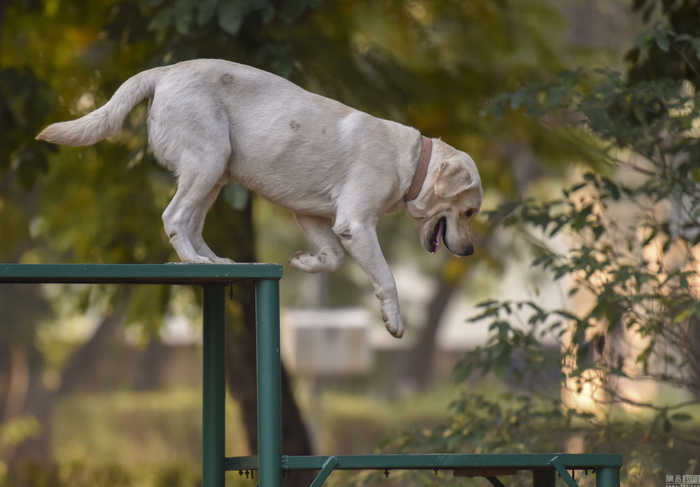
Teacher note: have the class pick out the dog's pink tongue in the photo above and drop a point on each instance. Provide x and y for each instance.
(438, 234)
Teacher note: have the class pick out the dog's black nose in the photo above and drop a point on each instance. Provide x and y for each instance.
(468, 250)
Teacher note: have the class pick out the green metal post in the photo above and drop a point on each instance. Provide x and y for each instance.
(214, 386)
(543, 477)
(607, 477)
(269, 403)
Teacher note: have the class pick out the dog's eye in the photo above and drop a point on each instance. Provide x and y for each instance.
(469, 212)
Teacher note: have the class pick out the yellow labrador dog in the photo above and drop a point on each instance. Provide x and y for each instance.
(338, 169)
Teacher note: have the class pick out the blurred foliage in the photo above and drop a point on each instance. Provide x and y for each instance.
(429, 64)
(635, 230)
(631, 262)
(138, 428)
(81, 474)
(25, 102)
(12, 433)
(126, 438)
(670, 48)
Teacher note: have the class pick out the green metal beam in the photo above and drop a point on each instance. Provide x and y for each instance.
(241, 463)
(447, 461)
(568, 479)
(173, 273)
(444, 461)
(326, 470)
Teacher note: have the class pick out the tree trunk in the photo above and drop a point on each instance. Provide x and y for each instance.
(693, 360)
(151, 365)
(240, 352)
(421, 364)
(17, 381)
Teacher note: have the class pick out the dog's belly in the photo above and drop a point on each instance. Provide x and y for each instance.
(301, 189)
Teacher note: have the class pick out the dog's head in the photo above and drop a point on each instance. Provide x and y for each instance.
(450, 197)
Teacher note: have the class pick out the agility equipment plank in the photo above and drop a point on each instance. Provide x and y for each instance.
(271, 463)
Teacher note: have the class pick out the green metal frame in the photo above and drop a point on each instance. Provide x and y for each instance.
(270, 461)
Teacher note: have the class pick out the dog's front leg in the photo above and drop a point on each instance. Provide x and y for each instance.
(361, 242)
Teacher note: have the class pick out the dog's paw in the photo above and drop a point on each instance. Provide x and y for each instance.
(325, 260)
(197, 259)
(307, 262)
(222, 260)
(393, 324)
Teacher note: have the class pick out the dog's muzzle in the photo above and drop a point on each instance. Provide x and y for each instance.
(468, 250)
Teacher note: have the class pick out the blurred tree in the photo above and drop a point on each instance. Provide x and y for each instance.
(672, 51)
(24, 104)
(89, 210)
(428, 64)
(632, 227)
(634, 247)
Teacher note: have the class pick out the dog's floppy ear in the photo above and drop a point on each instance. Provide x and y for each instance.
(453, 177)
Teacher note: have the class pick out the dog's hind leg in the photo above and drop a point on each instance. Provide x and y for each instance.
(328, 254)
(198, 182)
(199, 244)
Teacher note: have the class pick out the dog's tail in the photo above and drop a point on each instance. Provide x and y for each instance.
(106, 120)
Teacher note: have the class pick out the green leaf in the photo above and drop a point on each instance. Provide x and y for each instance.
(683, 315)
(236, 196)
(230, 15)
(183, 17)
(516, 99)
(662, 42)
(598, 230)
(205, 11)
(292, 11)
(567, 315)
(576, 187)
(162, 21)
(681, 417)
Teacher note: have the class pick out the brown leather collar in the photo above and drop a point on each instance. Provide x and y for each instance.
(426, 148)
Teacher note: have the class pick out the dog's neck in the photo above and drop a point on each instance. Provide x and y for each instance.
(419, 207)
(426, 149)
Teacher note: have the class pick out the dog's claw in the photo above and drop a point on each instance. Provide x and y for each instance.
(396, 333)
(395, 329)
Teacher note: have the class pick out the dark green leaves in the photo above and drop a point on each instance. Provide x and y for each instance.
(189, 17)
(230, 13)
(627, 234)
(25, 102)
(205, 11)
